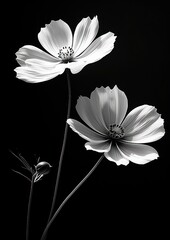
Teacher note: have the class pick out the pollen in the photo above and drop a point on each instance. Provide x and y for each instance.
(65, 53)
(116, 131)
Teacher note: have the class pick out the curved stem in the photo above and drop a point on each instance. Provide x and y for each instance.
(69, 196)
(63, 146)
(29, 208)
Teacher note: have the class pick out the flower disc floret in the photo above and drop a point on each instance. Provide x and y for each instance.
(66, 53)
(116, 131)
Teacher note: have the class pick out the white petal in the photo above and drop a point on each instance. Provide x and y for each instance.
(98, 146)
(151, 134)
(138, 153)
(114, 155)
(84, 131)
(54, 36)
(88, 115)
(31, 52)
(143, 124)
(96, 108)
(113, 104)
(103, 95)
(84, 34)
(119, 104)
(102, 46)
(36, 71)
(76, 66)
(37, 65)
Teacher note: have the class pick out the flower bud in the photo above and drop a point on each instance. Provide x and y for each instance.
(42, 168)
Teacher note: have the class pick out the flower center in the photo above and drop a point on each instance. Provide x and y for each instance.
(116, 131)
(65, 53)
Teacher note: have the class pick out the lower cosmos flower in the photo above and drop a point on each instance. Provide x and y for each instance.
(121, 139)
(66, 50)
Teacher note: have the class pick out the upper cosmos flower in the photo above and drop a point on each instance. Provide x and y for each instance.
(66, 50)
(120, 138)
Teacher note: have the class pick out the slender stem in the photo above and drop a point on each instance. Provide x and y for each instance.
(29, 208)
(63, 146)
(69, 196)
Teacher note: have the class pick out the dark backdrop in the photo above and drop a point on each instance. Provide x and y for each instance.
(115, 199)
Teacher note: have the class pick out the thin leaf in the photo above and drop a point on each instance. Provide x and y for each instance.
(38, 177)
(26, 164)
(23, 161)
(22, 175)
(38, 159)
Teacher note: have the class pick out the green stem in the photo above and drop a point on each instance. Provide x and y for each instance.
(63, 146)
(69, 196)
(29, 208)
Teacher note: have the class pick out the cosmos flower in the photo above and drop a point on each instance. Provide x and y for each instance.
(121, 139)
(65, 50)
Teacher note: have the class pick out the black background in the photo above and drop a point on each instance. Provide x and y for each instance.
(129, 200)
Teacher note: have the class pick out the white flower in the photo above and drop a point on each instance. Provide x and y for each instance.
(120, 138)
(66, 50)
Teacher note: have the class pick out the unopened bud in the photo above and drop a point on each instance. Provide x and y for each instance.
(41, 169)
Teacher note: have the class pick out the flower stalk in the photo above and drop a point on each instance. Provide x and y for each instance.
(63, 146)
(29, 208)
(69, 196)
(42, 168)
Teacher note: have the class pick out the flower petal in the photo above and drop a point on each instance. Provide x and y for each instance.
(54, 36)
(113, 104)
(119, 104)
(76, 66)
(36, 65)
(85, 109)
(36, 70)
(115, 155)
(138, 153)
(84, 131)
(31, 52)
(96, 108)
(98, 146)
(143, 124)
(84, 34)
(102, 46)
